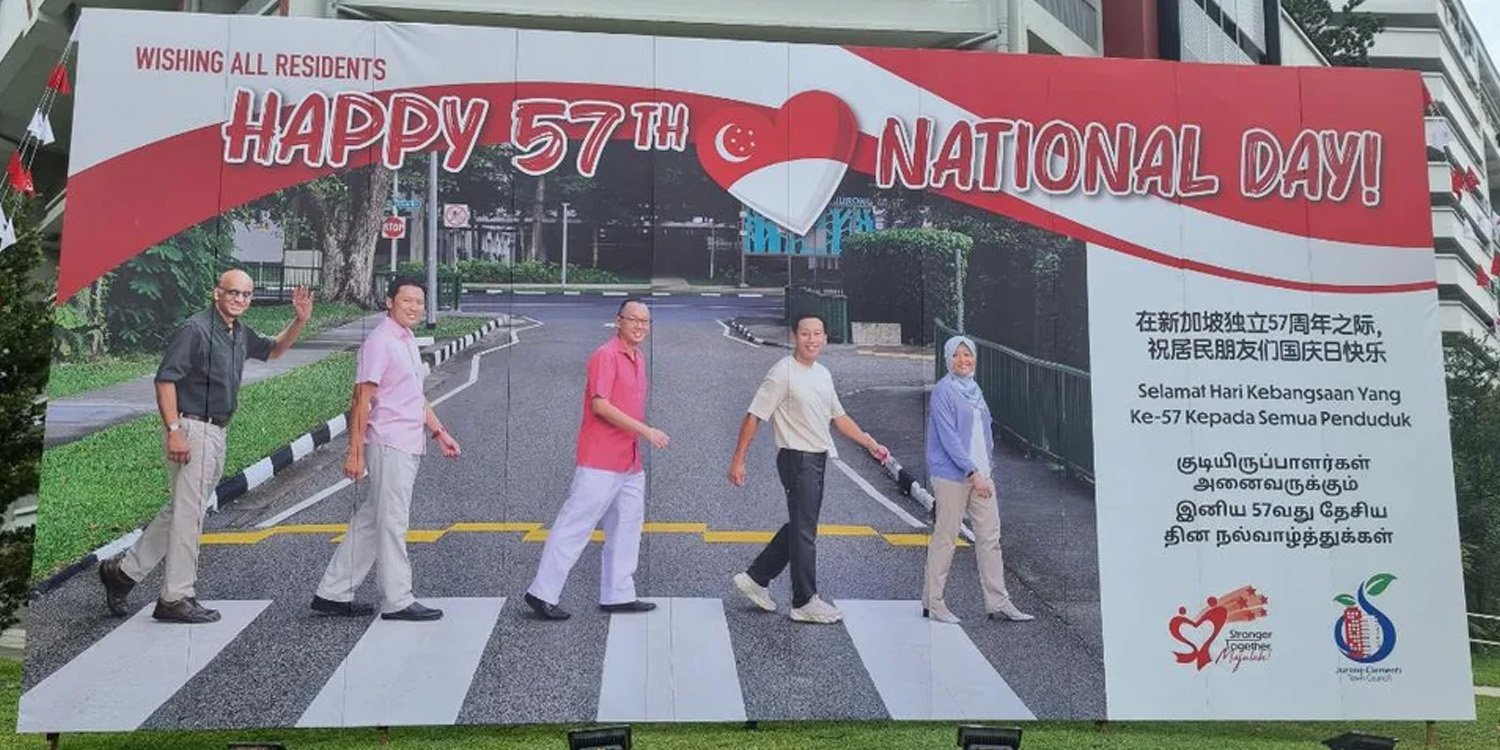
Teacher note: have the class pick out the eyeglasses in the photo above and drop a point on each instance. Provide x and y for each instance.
(237, 293)
(637, 321)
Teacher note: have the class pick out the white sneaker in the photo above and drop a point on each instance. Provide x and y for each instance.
(1008, 611)
(754, 592)
(818, 611)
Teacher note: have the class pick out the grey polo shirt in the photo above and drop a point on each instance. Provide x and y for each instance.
(206, 360)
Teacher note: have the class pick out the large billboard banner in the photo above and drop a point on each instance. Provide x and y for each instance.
(1125, 401)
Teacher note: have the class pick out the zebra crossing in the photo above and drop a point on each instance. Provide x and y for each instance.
(677, 663)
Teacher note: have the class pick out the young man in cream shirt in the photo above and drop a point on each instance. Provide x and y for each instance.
(798, 398)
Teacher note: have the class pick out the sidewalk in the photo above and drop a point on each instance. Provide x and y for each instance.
(78, 416)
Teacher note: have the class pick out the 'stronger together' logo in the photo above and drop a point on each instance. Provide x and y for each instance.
(1199, 632)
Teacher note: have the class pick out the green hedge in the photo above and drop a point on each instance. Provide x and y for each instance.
(528, 272)
(905, 276)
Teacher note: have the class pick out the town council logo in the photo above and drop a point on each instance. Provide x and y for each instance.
(1364, 633)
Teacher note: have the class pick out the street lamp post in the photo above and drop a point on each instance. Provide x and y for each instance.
(565, 244)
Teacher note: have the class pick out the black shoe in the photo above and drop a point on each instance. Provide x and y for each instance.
(117, 586)
(415, 612)
(635, 606)
(186, 610)
(343, 609)
(924, 612)
(547, 611)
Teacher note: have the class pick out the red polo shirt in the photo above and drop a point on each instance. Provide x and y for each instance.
(614, 375)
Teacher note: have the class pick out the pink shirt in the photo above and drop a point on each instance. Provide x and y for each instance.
(614, 375)
(389, 358)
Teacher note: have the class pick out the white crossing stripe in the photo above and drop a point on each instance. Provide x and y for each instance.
(924, 669)
(674, 663)
(408, 673)
(117, 683)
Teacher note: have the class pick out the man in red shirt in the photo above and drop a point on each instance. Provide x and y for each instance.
(608, 480)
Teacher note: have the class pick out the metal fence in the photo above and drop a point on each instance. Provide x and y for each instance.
(277, 280)
(833, 306)
(1044, 406)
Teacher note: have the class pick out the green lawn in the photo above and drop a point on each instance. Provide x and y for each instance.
(1482, 734)
(72, 378)
(83, 503)
(1487, 667)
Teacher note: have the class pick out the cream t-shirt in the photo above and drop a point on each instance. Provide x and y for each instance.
(799, 401)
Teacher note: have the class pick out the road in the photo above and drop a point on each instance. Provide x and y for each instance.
(477, 525)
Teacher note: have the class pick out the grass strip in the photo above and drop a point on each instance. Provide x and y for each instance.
(1483, 734)
(108, 483)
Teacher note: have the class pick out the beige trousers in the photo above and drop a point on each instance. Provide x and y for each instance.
(377, 533)
(954, 499)
(173, 534)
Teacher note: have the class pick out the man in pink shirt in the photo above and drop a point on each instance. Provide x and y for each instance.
(387, 434)
(608, 480)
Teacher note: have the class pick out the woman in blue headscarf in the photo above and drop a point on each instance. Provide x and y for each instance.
(959, 447)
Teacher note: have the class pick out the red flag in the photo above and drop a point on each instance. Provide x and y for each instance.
(20, 177)
(1471, 180)
(1427, 103)
(1495, 264)
(1481, 278)
(1455, 180)
(59, 80)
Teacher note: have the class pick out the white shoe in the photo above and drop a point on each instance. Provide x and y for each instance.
(754, 592)
(947, 617)
(1008, 611)
(818, 611)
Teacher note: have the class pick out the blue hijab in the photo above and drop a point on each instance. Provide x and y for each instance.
(966, 384)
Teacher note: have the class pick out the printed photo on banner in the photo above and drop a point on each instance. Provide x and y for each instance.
(492, 376)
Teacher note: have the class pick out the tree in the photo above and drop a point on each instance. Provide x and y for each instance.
(343, 213)
(25, 345)
(1474, 424)
(25, 348)
(1343, 37)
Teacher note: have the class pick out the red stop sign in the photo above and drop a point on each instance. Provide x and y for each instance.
(393, 228)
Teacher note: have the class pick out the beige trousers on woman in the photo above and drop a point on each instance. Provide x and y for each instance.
(954, 500)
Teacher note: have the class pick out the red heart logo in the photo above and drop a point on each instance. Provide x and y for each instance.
(786, 166)
(1199, 636)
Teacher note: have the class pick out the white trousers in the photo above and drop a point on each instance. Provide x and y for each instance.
(377, 534)
(619, 500)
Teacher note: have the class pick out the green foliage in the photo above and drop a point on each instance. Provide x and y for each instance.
(25, 347)
(15, 564)
(1344, 37)
(1474, 424)
(906, 276)
(152, 293)
(526, 272)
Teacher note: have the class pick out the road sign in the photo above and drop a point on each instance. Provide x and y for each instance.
(393, 227)
(455, 215)
(407, 204)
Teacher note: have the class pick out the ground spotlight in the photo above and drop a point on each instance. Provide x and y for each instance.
(1359, 741)
(975, 737)
(600, 738)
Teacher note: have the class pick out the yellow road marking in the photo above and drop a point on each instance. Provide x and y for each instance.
(536, 532)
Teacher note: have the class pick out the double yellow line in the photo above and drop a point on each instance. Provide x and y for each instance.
(534, 532)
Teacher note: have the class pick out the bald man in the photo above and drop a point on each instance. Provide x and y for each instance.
(197, 390)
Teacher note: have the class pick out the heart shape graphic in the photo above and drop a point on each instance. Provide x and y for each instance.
(1200, 633)
(786, 166)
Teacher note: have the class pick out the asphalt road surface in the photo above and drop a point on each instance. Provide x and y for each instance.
(706, 654)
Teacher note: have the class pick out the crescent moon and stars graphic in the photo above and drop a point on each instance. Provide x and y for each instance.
(734, 143)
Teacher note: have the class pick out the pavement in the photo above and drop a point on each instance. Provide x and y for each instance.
(477, 525)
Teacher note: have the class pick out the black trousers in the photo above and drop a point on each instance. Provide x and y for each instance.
(796, 541)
